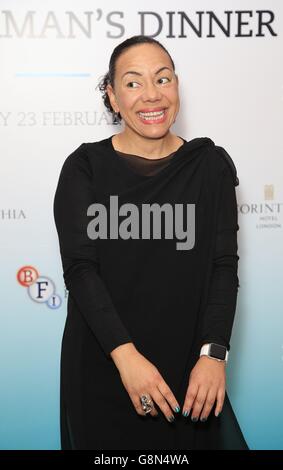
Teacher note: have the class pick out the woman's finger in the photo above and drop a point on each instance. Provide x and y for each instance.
(169, 395)
(190, 397)
(137, 404)
(199, 402)
(161, 401)
(220, 400)
(209, 403)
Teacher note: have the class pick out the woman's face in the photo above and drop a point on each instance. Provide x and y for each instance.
(141, 87)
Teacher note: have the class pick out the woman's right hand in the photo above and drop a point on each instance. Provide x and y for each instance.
(139, 376)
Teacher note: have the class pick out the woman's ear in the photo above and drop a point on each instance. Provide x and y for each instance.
(112, 98)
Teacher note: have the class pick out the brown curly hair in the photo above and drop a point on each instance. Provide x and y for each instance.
(108, 78)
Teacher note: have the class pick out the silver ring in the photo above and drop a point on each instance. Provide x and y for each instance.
(147, 403)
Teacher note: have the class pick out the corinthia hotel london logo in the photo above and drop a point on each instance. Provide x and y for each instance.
(268, 213)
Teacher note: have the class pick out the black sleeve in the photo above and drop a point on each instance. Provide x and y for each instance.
(80, 262)
(223, 288)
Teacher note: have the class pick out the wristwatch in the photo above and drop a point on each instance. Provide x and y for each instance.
(216, 351)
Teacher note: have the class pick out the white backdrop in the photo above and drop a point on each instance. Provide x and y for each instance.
(52, 55)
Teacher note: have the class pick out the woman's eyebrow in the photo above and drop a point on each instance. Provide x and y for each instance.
(137, 73)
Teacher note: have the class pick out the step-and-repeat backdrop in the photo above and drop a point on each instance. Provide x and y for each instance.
(228, 55)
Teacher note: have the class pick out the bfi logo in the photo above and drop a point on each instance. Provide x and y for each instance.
(41, 289)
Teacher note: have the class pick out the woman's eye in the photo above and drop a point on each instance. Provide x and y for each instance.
(130, 84)
(166, 78)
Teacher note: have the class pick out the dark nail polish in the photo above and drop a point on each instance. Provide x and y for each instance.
(171, 418)
(194, 418)
(203, 419)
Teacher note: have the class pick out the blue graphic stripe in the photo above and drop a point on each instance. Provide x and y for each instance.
(52, 74)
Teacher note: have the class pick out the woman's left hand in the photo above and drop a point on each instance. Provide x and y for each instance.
(207, 383)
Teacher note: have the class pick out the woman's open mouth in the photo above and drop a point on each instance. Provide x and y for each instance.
(155, 117)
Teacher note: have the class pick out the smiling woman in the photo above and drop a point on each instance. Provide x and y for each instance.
(145, 94)
(140, 310)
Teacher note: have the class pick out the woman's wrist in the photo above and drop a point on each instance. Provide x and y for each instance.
(122, 352)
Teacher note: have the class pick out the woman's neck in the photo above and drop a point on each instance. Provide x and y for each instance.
(147, 147)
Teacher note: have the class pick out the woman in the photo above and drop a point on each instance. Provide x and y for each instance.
(142, 303)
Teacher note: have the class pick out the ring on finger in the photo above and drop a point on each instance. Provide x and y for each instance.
(147, 403)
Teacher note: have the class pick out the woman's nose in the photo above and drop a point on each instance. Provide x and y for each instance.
(151, 91)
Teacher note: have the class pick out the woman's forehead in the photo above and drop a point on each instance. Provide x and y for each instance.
(143, 57)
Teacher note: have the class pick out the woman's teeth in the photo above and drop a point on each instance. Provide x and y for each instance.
(152, 115)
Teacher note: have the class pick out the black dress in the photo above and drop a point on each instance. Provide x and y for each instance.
(167, 301)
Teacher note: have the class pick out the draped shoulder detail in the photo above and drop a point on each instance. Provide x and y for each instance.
(226, 157)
